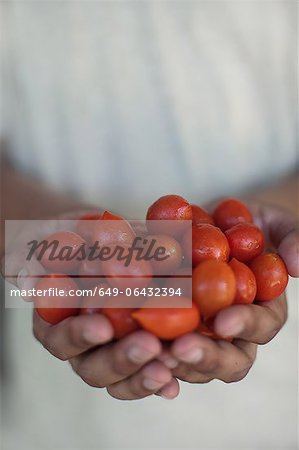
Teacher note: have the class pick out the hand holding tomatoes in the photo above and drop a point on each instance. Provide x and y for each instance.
(199, 358)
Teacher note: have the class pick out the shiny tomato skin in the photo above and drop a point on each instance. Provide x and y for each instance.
(230, 212)
(61, 264)
(246, 282)
(121, 320)
(113, 229)
(246, 241)
(271, 276)
(172, 250)
(169, 207)
(200, 216)
(51, 308)
(213, 287)
(137, 274)
(85, 225)
(168, 323)
(208, 242)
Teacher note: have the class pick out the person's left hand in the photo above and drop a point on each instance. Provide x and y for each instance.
(200, 359)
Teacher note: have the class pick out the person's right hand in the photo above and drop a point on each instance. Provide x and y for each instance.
(127, 368)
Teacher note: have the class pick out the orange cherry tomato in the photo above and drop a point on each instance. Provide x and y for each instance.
(208, 242)
(94, 305)
(54, 308)
(85, 225)
(271, 276)
(214, 286)
(112, 229)
(230, 212)
(246, 283)
(65, 256)
(169, 207)
(169, 322)
(137, 274)
(121, 320)
(171, 250)
(246, 241)
(200, 216)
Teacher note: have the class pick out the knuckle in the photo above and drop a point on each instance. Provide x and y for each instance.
(208, 364)
(237, 376)
(268, 336)
(114, 392)
(199, 378)
(59, 353)
(248, 318)
(88, 378)
(55, 350)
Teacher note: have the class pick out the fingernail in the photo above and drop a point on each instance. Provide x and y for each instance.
(151, 385)
(171, 363)
(231, 327)
(92, 336)
(192, 356)
(139, 355)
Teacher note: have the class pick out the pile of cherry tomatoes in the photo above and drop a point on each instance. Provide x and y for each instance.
(227, 255)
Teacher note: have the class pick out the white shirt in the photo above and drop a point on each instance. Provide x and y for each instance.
(121, 102)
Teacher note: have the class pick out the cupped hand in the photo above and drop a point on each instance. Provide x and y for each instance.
(201, 359)
(127, 368)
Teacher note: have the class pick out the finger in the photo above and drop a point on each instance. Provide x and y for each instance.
(203, 359)
(282, 229)
(288, 249)
(72, 336)
(167, 359)
(117, 361)
(171, 390)
(149, 380)
(257, 323)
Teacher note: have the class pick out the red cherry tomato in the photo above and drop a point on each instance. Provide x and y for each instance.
(208, 242)
(230, 212)
(246, 283)
(214, 286)
(113, 229)
(181, 279)
(168, 323)
(169, 207)
(137, 274)
(93, 305)
(271, 276)
(55, 308)
(200, 216)
(107, 215)
(85, 225)
(121, 320)
(246, 241)
(67, 253)
(169, 248)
